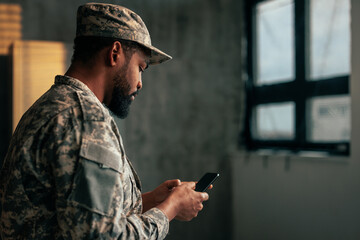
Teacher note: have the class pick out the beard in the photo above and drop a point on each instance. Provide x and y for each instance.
(120, 100)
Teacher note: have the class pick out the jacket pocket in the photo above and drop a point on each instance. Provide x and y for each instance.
(97, 179)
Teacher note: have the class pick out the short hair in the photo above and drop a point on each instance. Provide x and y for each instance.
(86, 47)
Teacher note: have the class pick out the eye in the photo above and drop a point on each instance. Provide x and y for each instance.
(141, 69)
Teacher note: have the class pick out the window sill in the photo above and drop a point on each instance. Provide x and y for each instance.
(269, 154)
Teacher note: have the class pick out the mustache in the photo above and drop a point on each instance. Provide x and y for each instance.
(134, 93)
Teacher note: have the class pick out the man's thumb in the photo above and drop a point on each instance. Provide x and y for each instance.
(173, 183)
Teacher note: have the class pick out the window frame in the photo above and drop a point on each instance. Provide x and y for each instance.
(287, 91)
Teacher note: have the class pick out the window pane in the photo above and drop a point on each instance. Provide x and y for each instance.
(275, 41)
(329, 38)
(275, 121)
(329, 119)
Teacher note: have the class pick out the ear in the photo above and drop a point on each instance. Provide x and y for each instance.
(115, 53)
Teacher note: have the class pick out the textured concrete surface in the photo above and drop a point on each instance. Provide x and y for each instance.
(187, 116)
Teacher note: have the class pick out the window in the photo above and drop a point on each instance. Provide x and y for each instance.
(298, 63)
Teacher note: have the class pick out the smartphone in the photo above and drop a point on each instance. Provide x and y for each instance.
(206, 181)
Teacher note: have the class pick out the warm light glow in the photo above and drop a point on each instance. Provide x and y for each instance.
(10, 26)
(35, 64)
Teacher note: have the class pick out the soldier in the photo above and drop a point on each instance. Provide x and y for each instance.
(66, 174)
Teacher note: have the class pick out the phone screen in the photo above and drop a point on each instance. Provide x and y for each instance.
(206, 181)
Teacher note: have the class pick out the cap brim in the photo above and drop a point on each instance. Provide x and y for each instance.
(156, 56)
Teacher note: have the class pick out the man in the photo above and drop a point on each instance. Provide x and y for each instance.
(66, 174)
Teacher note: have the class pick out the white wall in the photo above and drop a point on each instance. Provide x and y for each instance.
(292, 197)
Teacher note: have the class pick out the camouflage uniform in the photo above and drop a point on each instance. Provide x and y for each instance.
(66, 175)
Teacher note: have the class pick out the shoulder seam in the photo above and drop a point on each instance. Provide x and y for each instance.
(99, 116)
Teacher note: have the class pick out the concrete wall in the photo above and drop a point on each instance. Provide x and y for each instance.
(187, 116)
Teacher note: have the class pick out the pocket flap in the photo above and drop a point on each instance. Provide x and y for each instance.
(101, 155)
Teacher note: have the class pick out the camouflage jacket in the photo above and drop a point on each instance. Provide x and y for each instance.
(66, 175)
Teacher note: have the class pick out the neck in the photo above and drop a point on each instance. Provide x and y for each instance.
(94, 77)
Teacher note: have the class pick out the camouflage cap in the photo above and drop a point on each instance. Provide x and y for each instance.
(108, 20)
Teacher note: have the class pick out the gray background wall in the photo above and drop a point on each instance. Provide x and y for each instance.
(187, 119)
(187, 116)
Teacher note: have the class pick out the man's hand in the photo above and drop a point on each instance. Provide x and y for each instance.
(159, 194)
(183, 203)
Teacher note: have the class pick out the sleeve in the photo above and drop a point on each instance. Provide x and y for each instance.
(94, 196)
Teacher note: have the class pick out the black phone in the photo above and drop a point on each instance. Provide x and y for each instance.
(206, 181)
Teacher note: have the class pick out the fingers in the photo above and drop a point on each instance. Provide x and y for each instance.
(191, 202)
(173, 183)
(204, 196)
(198, 207)
(192, 185)
(189, 184)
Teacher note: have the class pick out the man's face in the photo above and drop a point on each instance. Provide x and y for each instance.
(127, 84)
